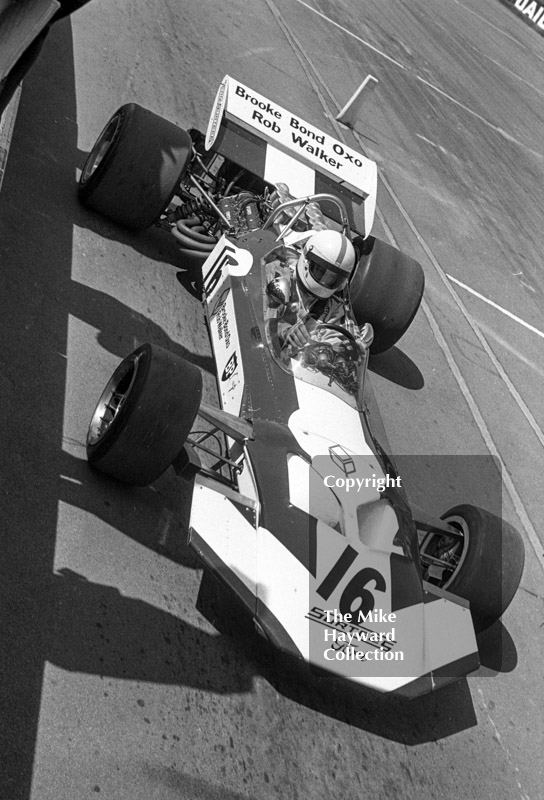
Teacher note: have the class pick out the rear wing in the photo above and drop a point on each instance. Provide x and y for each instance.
(281, 147)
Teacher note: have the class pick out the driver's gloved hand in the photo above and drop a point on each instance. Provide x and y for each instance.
(365, 336)
(299, 334)
(350, 326)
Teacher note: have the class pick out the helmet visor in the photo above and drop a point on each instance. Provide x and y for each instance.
(326, 274)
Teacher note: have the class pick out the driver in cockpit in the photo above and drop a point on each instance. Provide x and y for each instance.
(312, 290)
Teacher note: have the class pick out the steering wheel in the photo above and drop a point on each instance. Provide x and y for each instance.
(338, 328)
(325, 348)
(323, 357)
(312, 344)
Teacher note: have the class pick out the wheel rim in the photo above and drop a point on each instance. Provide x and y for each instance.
(442, 556)
(112, 400)
(101, 147)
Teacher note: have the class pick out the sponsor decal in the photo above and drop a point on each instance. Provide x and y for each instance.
(217, 114)
(359, 590)
(214, 271)
(284, 128)
(221, 300)
(225, 260)
(230, 367)
(532, 11)
(223, 326)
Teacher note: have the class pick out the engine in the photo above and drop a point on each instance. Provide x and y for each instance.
(215, 198)
(198, 222)
(242, 212)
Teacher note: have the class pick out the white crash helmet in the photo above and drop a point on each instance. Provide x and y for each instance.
(326, 263)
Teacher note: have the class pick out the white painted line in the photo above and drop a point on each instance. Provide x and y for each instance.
(518, 41)
(475, 114)
(513, 74)
(350, 33)
(508, 346)
(513, 493)
(487, 22)
(463, 309)
(307, 67)
(495, 305)
(458, 103)
(485, 433)
(433, 144)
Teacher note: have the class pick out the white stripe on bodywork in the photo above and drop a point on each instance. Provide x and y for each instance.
(308, 492)
(280, 167)
(232, 538)
(284, 587)
(323, 416)
(449, 633)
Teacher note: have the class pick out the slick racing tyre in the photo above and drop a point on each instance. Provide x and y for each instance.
(135, 167)
(144, 415)
(386, 291)
(484, 563)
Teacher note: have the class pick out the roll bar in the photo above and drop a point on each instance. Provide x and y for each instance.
(303, 202)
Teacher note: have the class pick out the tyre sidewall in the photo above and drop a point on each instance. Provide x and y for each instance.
(141, 170)
(86, 189)
(98, 450)
(491, 566)
(151, 428)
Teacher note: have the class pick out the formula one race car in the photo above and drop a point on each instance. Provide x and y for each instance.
(302, 512)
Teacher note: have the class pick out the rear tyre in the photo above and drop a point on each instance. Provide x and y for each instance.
(386, 291)
(144, 415)
(487, 561)
(135, 167)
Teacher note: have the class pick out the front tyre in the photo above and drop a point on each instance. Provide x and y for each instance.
(135, 167)
(144, 415)
(483, 563)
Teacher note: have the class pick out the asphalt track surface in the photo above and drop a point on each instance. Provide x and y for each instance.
(125, 673)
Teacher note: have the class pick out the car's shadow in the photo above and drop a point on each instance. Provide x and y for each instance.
(427, 718)
(95, 629)
(135, 512)
(120, 328)
(154, 243)
(157, 517)
(39, 298)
